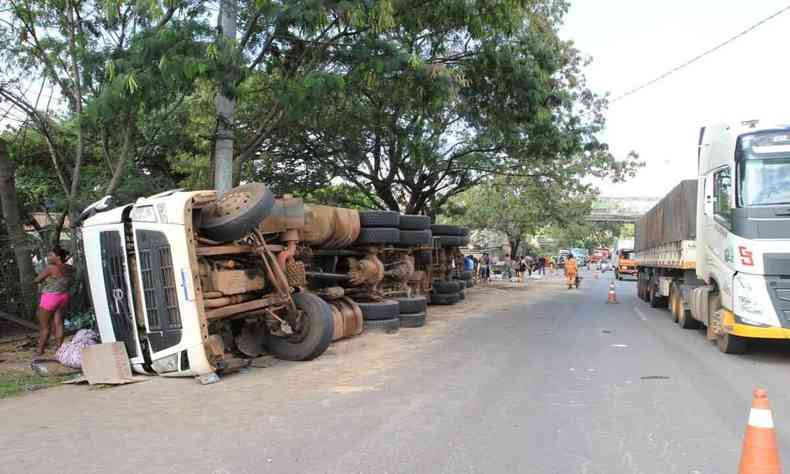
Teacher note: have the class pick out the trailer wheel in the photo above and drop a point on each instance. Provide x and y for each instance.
(732, 344)
(675, 302)
(657, 301)
(315, 336)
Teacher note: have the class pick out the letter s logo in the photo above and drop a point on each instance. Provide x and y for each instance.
(746, 256)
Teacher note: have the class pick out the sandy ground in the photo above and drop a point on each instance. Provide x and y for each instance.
(335, 370)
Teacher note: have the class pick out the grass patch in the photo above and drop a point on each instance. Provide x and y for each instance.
(12, 384)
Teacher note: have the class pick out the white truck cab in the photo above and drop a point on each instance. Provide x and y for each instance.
(743, 225)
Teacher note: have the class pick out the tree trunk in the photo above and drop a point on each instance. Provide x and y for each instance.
(10, 208)
(225, 106)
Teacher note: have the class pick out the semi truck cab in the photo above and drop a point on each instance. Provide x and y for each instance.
(743, 227)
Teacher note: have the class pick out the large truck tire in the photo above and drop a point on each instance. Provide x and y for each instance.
(414, 222)
(388, 326)
(447, 287)
(378, 235)
(452, 240)
(445, 298)
(656, 300)
(236, 213)
(444, 229)
(732, 344)
(379, 218)
(414, 304)
(314, 338)
(415, 237)
(413, 320)
(386, 309)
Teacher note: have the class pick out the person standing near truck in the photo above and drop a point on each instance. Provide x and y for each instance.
(56, 279)
(570, 271)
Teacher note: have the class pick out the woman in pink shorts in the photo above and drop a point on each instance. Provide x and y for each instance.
(56, 280)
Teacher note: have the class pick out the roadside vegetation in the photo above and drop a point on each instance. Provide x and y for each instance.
(394, 104)
(18, 383)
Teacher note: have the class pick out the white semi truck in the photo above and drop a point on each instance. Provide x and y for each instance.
(716, 250)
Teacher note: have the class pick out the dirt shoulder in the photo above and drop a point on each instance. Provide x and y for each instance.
(335, 371)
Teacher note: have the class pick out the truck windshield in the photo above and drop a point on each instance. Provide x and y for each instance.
(764, 169)
(625, 254)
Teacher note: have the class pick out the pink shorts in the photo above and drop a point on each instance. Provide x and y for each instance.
(54, 301)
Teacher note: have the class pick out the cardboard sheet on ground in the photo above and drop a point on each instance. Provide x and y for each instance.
(106, 364)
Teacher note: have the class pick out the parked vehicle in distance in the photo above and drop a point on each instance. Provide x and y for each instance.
(600, 254)
(625, 266)
(581, 256)
(716, 250)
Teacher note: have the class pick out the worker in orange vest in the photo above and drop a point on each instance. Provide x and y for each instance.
(570, 271)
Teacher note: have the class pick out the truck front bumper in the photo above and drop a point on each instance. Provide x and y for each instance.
(745, 330)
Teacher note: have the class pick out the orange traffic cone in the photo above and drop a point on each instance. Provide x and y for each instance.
(760, 454)
(612, 296)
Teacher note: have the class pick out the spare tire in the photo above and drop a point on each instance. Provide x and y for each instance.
(379, 218)
(466, 275)
(444, 229)
(386, 309)
(414, 222)
(236, 213)
(415, 237)
(414, 304)
(378, 235)
(447, 287)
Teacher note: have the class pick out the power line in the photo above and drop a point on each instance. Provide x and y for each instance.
(702, 55)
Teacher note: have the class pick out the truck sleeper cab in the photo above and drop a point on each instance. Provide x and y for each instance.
(187, 304)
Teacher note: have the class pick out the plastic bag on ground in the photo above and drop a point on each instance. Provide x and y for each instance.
(70, 353)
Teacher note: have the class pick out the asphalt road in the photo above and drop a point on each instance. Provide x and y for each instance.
(557, 383)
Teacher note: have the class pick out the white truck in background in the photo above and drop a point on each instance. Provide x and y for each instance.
(716, 250)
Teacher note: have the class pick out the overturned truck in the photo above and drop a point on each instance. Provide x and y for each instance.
(193, 284)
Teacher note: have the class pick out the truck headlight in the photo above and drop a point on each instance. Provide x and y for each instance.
(166, 364)
(749, 304)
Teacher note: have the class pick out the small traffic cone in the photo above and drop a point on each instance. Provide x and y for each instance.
(760, 454)
(612, 296)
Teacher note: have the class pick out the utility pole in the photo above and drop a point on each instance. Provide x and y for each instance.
(225, 106)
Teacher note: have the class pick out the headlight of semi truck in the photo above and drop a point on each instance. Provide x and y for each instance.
(751, 302)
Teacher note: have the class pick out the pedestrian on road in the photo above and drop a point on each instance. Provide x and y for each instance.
(570, 271)
(56, 279)
(485, 267)
(542, 265)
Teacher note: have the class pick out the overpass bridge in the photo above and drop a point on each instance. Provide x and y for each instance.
(625, 210)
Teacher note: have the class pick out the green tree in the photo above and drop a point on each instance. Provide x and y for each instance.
(520, 208)
(454, 94)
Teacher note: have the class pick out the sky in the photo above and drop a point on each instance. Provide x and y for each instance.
(634, 41)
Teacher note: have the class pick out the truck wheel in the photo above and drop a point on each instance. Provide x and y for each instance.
(675, 303)
(237, 212)
(732, 344)
(685, 320)
(656, 301)
(315, 336)
(376, 311)
(379, 218)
